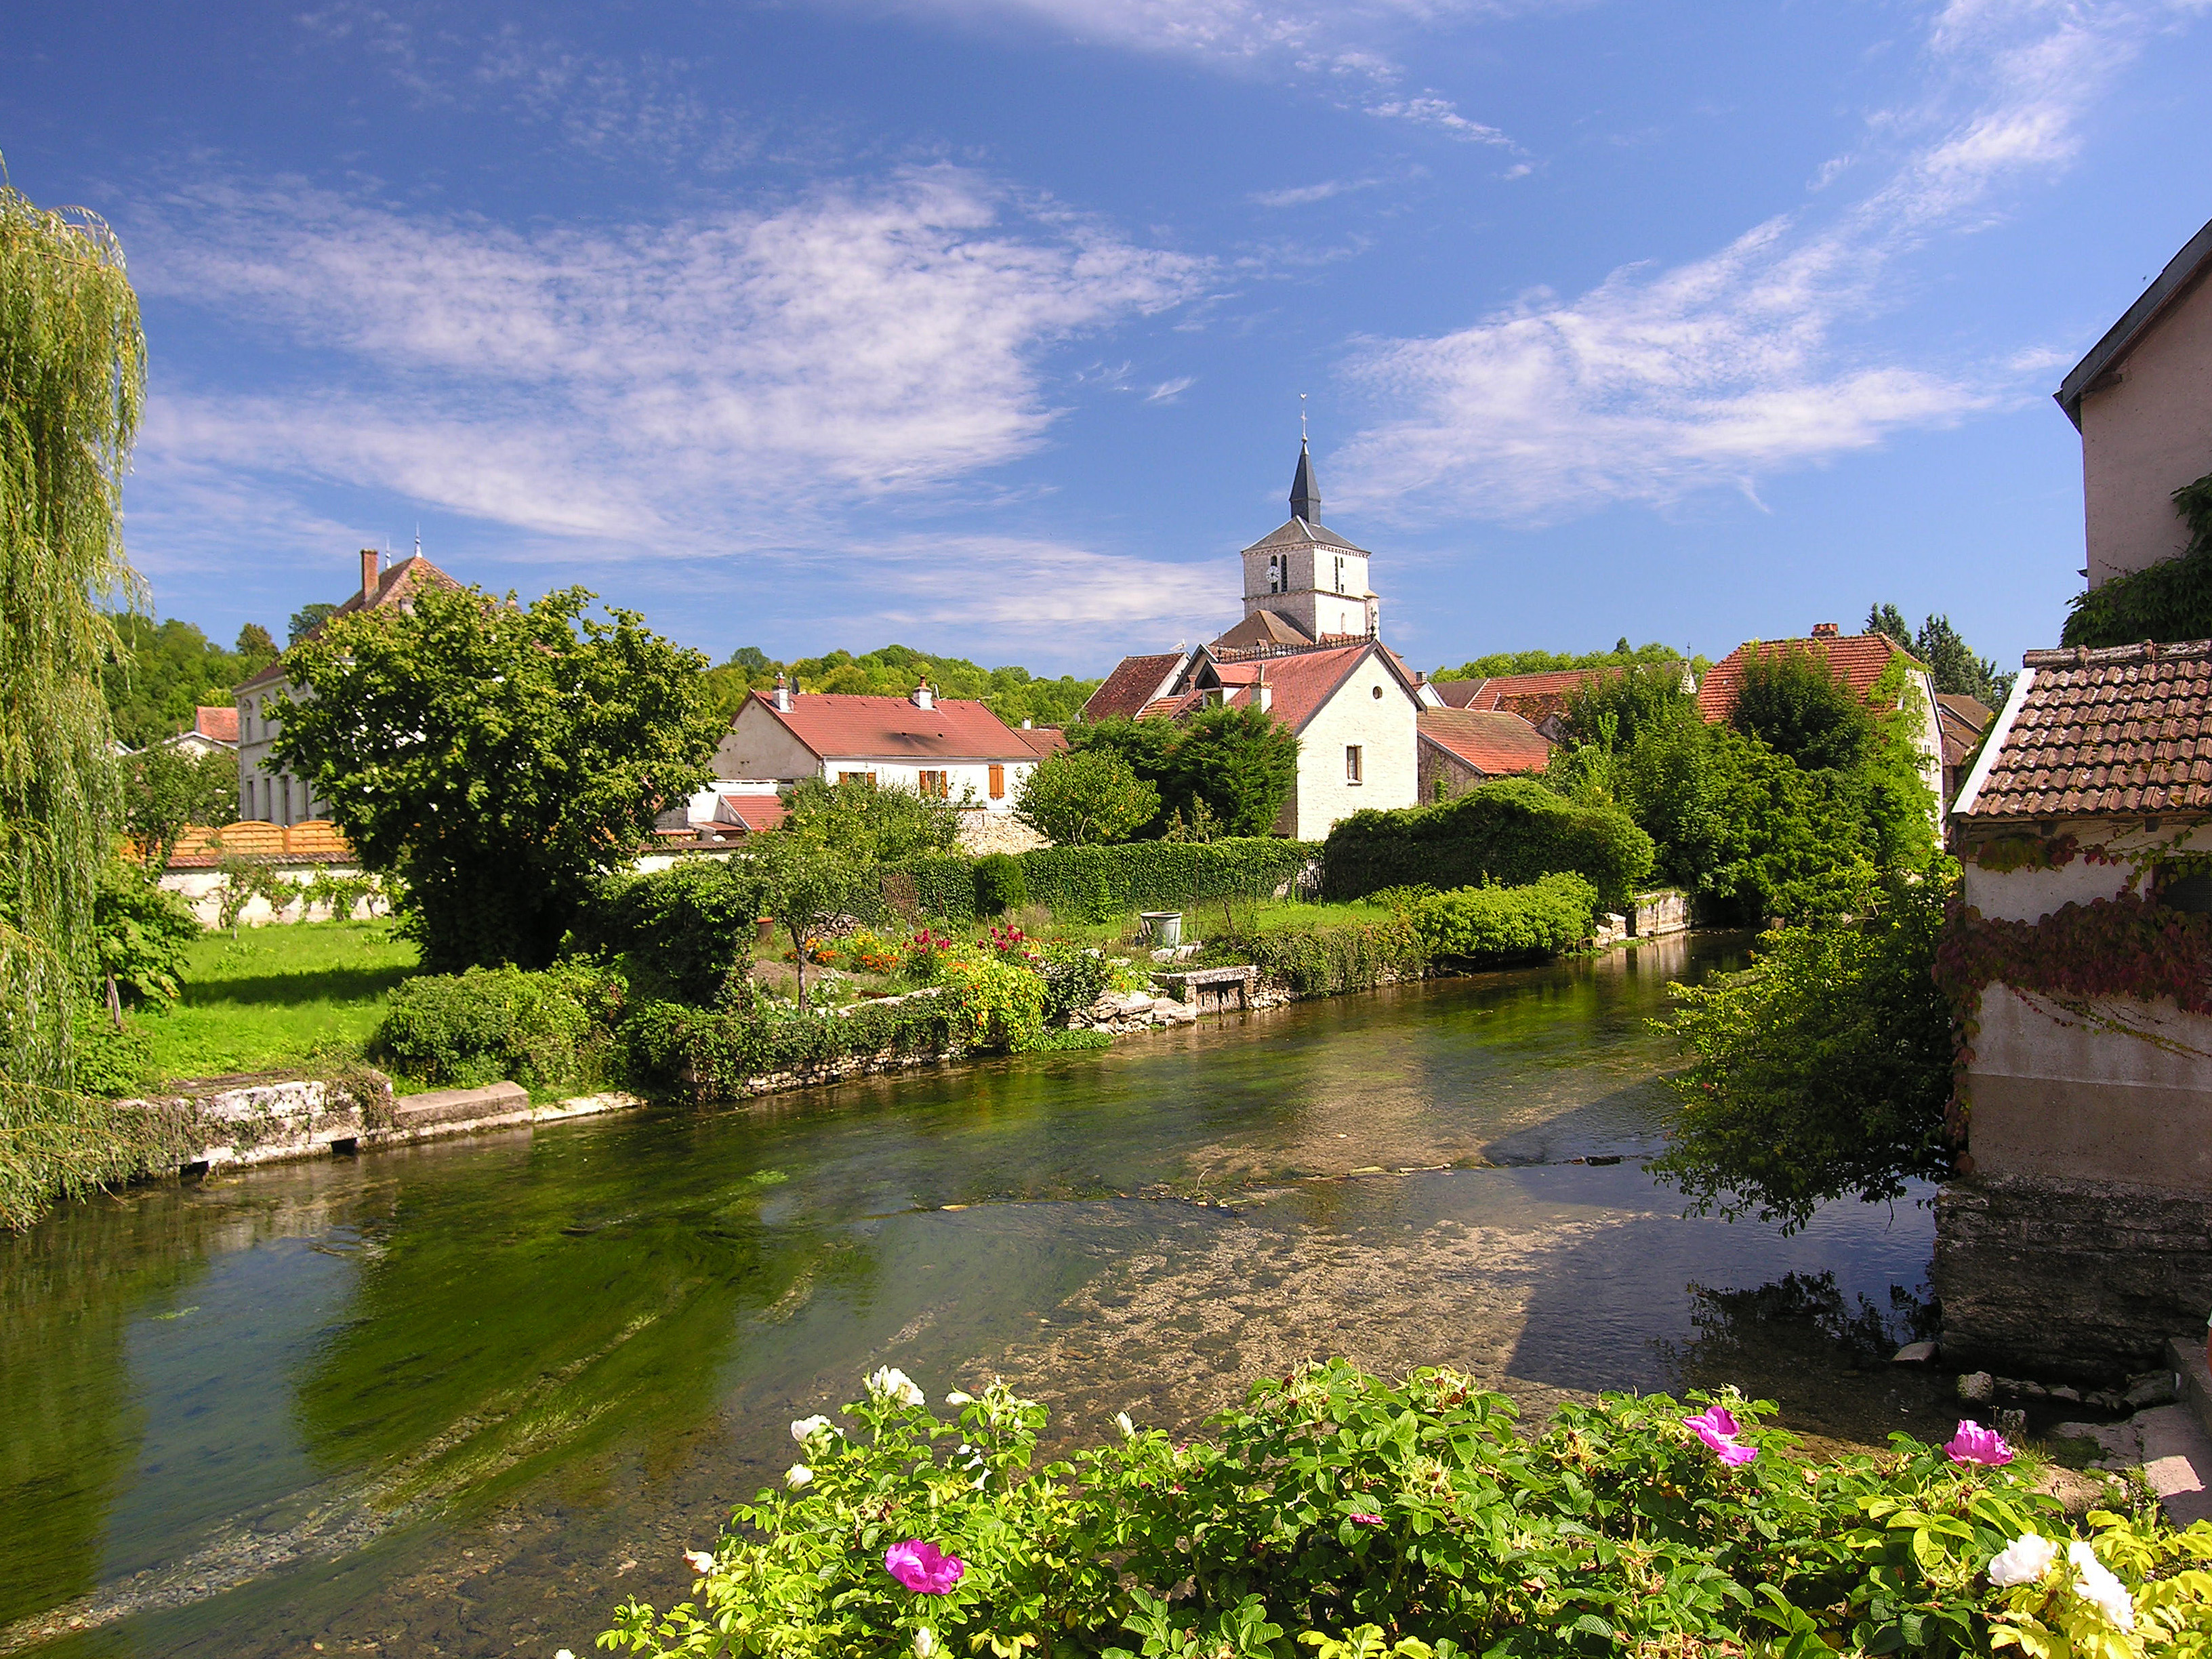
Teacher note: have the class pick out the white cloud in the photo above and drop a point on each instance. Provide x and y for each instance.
(1659, 383)
(1024, 588)
(683, 384)
(1430, 110)
(1307, 195)
(1168, 390)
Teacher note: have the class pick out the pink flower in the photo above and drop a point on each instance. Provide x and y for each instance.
(923, 1568)
(1975, 1444)
(1362, 1519)
(1717, 1428)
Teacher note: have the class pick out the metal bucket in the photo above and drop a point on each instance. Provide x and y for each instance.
(1163, 927)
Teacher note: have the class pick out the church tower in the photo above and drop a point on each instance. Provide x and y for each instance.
(1305, 576)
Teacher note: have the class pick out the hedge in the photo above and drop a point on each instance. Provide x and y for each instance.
(935, 885)
(1160, 875)
(1476, 924)
(681, 930)
(713, 1051)
(1325, 961)
(462, 1030)
(1512, 830)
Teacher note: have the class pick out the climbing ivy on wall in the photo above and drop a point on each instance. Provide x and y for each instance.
(2168, 601)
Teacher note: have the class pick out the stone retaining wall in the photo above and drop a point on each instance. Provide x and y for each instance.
(2073, 1279)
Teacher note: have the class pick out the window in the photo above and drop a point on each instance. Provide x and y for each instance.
(1339, 576)
(936, 785)
(2185, 887)
(1352, 763)
(998, 783)
(868, 778)
(245, 798)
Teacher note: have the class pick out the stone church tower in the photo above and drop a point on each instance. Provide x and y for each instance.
(1305, 576)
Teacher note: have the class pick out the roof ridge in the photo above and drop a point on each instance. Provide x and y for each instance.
(2082, 656)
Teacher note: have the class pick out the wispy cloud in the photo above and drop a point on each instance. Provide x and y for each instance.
(676, 385)
(1657, 383)
(1023, 589)
(1430, 110)
(1307, 195)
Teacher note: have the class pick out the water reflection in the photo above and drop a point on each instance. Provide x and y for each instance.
(463, 1398)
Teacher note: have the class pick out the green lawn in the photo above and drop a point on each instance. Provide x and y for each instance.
(264, 1000)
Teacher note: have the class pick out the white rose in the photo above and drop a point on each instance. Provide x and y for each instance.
(957, 1399)
(1121, 1422)
(2023, 1561)
(2098, 1586)
(797, 1475)
(892, 1383)
(925, 1642)
(702, 1561)
(807, 1427)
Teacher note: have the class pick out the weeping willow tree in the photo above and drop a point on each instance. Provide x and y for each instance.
(72, 382)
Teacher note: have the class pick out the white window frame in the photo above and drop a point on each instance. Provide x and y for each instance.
(1355, 763)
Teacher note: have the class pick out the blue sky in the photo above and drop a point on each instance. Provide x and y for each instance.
(981, 325)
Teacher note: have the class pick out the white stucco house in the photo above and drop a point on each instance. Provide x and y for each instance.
(948, 749)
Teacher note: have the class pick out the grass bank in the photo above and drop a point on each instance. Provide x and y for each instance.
(268, 999)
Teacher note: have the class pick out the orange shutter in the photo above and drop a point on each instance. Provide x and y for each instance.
(998, 783)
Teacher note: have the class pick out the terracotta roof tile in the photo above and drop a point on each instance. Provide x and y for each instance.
(755, 812)
(1858, 658)
(1493, 741)
(1042, 740)
(2126, 730)
(836, 724)
(220, 724)
(1134, 681)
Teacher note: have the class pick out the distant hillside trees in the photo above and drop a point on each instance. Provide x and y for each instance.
(1951, 661)
(1014, 695)
(165, 670)
(1499, 664)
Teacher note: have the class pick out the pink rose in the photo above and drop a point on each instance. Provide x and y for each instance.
(1717, 1428)
(923, 1568)
(1975, 1444)
(1362, 1519)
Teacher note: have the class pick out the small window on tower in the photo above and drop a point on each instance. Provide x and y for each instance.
(1339, 576)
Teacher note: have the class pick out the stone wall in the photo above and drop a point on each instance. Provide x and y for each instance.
(2073, 1279)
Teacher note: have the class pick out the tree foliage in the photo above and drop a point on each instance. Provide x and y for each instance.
(165, 789)
(2168, 601)
(1792, 700)
(1500, 663)
(140, 932)
(1515, 830)
(168, 669)
(1241, 764)
(306, 619)
(1082, 796)
(498, 758)
(870, 822)
(807, 883)
(72, 383)
(1013, 694)
(1823, 1070)
(1952, 664)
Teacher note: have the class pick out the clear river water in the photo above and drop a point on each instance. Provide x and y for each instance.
(459, 1400)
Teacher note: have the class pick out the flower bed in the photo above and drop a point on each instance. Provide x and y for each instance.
(1415, 1521)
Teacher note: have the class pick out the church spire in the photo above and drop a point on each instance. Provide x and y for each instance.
(1305, 494)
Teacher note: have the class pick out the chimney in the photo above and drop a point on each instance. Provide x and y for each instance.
(367, 575)
(1263, 695)
(1824, 631)
(923, 696)
(782, 695)
(1025, 724)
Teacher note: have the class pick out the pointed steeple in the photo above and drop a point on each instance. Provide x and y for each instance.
(1305, 494)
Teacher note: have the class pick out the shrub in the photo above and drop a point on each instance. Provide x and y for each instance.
(141, 932)
(1074, 978)
(1474, 923)
(943, 885)
(993, 1003)
(1159, 875)
(1325, 961)
(1414, 1521)
(1087, 795)
(1512, 830)
(461, 1030)
(999, 884)
(715, 1051)
(112, 1062)
(681, 931)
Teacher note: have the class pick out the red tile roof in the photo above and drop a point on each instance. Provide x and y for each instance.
(1858, 658)
(1493, 741)
(2126, 730)
(1134, 681)
(393, 587)
(755, 812)
(220, 724)
(839, 725)
(1042, 740)
(1962, 721)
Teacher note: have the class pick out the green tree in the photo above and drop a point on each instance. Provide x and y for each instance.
(1795, 703)
(1501, 663)
(254, 648)
(2168, 601)
(875, 824)
(1085, 795)
(1823, 1070)
(807, 885)
(498, 758)
(165, 789)
(1952, 664)
(140, 932)
(166, 671)
(72, 383)
(1242, 763)
(306, 619)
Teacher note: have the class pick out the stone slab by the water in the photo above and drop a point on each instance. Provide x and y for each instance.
(1914, 1353)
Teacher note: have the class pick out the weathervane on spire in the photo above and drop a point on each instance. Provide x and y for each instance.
(1302, 420)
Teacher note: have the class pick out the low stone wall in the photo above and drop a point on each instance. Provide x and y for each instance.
(2073, 1279)
(242, 1120)
(1659, 913)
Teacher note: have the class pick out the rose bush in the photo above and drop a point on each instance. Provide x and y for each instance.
(1412, 1520)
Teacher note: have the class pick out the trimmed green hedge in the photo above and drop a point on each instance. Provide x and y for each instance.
(713, 1051)
(462, 1030)
(1476, 924)
(935, 885)
(1512, 830)
(1160, 875)
(1325, 961)
(681, 930)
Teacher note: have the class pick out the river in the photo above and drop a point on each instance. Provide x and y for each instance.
(459, 1400)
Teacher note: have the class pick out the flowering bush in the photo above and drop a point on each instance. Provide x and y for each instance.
(993, 1003)
(1009, 944)
(1414, 1521)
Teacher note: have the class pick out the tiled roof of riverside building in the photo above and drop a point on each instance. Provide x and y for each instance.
(1134, 681)
(840, 724)
(2123, 730)
(1493, 741)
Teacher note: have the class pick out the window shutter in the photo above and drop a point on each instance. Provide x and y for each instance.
(998, 783)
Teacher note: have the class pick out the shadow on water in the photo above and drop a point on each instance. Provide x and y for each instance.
(461, 1399)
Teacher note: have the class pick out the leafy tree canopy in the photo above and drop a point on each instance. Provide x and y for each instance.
(1014, 695)
(2166, 602)
(166, 670)
(1240, 764)
(807, 883)
(1951, 662)
(497, 757)
(1499, 663)
(1795, 703)
(305, 620)
(865, 822)
(165, 789)
(1083, 796)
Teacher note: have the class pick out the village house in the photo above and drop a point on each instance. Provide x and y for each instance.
(1859, 660)
(265, 791)
(2140, 400)
(1462, 747)
(1308, 653)
(1963, 719)
(945, 749)
(213, 731)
